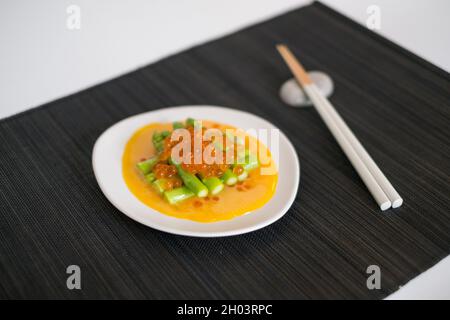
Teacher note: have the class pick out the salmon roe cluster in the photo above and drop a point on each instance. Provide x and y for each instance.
(204, 169)
(162, 170)
(169, 173)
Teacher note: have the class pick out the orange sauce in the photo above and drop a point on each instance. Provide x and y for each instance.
(233, 201)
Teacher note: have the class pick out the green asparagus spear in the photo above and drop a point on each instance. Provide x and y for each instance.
(248, 161)
(234, 138)
(150, 177)
(243, 175)
(179, 194)
(251, 162)
(229, 178)
(159, 146)
(221, 145)
(157, 136)
(214, 185)
(158, 141)
(190, 122)
(160, 185)
(177, 125)
(193, 123)
(165, 134)
(146, 166)
(191, 181)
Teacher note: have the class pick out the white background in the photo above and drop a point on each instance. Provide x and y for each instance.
(41, 59)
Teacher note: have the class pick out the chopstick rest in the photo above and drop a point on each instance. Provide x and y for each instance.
(376, 182)
(293, 95)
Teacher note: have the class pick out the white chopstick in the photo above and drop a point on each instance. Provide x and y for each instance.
(379, 176)
(376, 182)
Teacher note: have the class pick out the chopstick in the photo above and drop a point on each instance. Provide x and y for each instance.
(376, 182)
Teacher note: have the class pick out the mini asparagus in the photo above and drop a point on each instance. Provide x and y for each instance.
(190, 122)
(160, 185)
(164, 134)
(249, 161)
(158, 141)
(234, 138)
(191, 181)
(243, 175)
(229, 178)
(150, 177)
(214, 185)
(177, 125)
(179, 194)
(221, 145)
(157, 137)
(146, 166)
(193, 186)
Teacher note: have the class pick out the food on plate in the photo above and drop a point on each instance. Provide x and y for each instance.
(198, 170)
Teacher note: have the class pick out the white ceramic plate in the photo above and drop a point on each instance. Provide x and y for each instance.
(107, 163)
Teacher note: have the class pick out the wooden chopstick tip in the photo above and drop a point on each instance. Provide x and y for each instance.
(283, 50)
(280, 47)
(294, 65)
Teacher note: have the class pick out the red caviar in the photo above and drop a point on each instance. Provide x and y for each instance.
(197, 204)
(162, 170)
(237, 170)
(204, 168)
(174, 182)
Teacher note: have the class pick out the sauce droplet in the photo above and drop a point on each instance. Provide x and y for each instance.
(197, 203)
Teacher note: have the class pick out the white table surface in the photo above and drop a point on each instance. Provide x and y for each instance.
(41, 59)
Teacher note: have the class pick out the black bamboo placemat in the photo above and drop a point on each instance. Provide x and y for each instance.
(53, 214)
